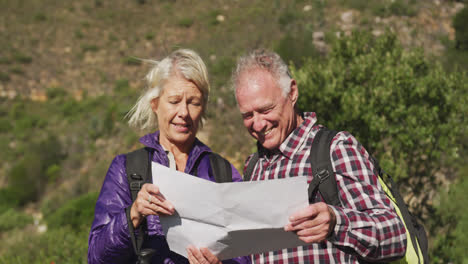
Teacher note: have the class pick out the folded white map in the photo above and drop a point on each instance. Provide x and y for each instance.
(230, 219)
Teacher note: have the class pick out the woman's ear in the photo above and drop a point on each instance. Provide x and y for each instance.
(154, 104)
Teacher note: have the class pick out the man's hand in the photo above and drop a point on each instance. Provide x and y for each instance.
(202, 256)
(312, 224)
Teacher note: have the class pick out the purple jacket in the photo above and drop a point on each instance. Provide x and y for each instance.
(109, 239)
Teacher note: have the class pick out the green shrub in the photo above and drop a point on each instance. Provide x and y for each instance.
(5, 125)
(89, 48)
(75, 213)
(4, 77)
(460, 24)
(407, 111)
(296, 48)
(28, 177)
(404, 109)
(448, 245)
(22, 58)
(17, 70)
(14, 219)
(39, 17)
(185, 22)
(149, 36)
(56, 93)
(61, 245)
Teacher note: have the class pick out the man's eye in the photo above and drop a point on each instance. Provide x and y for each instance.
(246, 116)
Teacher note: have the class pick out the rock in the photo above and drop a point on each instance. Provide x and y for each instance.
(347, 17)
(318, 36)
(220, 18)
(377, 32)
(307, 8)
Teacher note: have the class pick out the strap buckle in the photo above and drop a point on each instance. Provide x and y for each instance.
(322, 175)
(136, 185)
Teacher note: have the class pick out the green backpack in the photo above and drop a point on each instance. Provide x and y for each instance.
(325, 182)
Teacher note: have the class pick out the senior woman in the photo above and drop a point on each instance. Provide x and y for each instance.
(175, 101)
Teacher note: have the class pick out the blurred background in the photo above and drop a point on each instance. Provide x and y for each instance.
(392, 72)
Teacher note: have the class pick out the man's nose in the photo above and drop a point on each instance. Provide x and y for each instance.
(258, 123)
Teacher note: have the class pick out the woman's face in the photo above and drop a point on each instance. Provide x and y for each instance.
(179, 109)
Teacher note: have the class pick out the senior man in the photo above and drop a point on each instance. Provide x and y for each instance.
(365, 227)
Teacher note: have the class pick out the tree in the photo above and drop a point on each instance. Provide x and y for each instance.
(404, 109)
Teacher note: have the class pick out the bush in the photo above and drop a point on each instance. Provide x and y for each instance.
(448, 244)
(407, 112)
(61, 245)
(404, 109)
(76, 213)
(460, 24)
(28, 177)
(14, 219)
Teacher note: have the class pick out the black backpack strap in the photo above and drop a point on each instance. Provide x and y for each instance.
(138, 168)
(221, 168)
(250, 167)
(322, 168)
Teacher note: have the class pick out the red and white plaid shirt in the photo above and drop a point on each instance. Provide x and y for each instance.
(367, 228)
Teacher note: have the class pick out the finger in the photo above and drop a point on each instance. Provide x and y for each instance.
(198, 256)
(321, 218)
(312, 239)
(154, 196)
(164, 206)
(191, 257)
(313, 231)
(309, 212)
(153, 190)
(209, 256)
(302, 214)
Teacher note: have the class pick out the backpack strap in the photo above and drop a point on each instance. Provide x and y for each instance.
(322, 168)
(221, 168)
(416, 232)
(250, 167)
(138, 168)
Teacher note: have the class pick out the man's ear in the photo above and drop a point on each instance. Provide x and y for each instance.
(293, 93)
(154, 104)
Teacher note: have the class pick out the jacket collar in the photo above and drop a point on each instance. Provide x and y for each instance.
(152, 141)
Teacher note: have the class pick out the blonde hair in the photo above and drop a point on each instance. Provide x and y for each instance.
(184, 61)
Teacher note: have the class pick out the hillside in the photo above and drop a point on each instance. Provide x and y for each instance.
(70, 71)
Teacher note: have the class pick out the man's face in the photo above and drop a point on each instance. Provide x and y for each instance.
(268, 114)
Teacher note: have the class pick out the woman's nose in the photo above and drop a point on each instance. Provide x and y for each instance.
(183, 109)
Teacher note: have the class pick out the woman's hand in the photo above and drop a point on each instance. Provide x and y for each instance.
(149, 201)
(202, 256)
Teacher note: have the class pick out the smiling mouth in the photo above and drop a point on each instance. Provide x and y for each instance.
(181, 126)
(265, 133)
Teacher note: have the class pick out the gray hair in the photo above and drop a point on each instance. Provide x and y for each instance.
(266, 60)
(184, 61)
